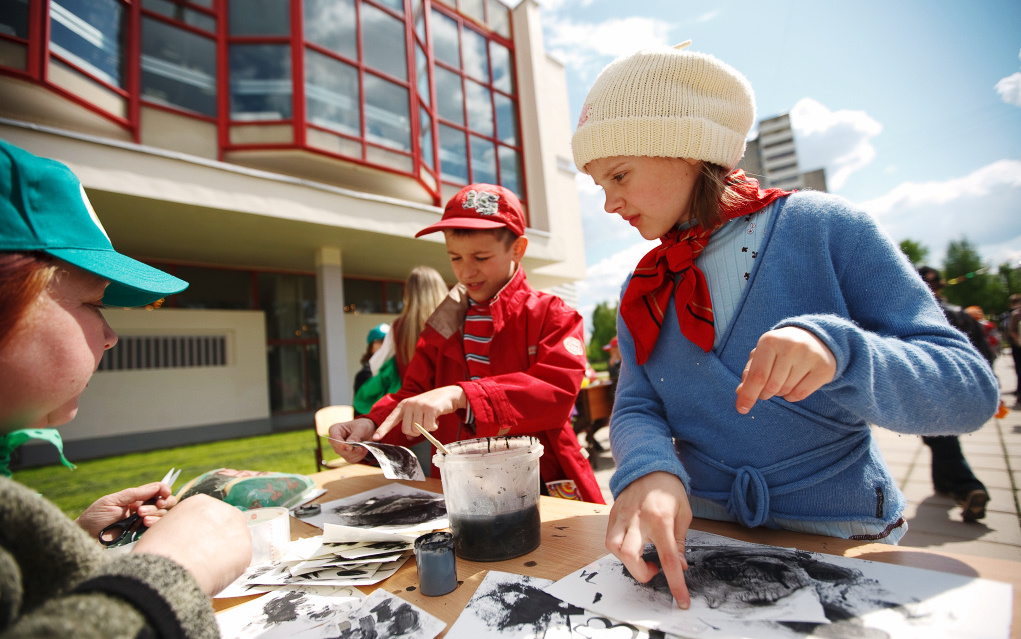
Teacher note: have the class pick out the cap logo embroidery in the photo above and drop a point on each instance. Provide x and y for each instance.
(484, 202)
(585, 108)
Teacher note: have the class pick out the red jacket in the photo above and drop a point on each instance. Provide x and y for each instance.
(537, 361)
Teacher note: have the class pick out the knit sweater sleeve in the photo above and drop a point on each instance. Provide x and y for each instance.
(900, 364)
(55, 581)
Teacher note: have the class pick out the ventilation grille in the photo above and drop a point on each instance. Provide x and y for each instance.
(141, 352)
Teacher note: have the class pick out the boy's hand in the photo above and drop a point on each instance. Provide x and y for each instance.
(357, 430)
(790, 362)
(424, 409)
(653, 508)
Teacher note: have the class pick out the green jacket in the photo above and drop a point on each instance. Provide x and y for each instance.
(56, 581)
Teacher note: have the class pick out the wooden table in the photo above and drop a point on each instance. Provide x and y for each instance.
(573, 535)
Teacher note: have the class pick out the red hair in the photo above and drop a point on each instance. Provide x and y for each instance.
(23, 278)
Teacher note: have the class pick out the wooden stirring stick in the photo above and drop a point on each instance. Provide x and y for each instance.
(429, 436)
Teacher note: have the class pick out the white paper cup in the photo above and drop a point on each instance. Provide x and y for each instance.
(271, 530)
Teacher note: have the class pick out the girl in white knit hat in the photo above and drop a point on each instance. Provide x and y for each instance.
(798, 303)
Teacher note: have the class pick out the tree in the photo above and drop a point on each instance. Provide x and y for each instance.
(969, 281)
(604, 327)
(915, 252)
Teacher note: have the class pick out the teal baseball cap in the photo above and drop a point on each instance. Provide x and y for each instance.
(378, 333)
(43, 207)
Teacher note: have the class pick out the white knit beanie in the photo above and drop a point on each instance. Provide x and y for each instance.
(666, 102)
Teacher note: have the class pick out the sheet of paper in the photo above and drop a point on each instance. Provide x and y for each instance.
(289, 612)
(396, 462)
(394, 508)
(729, 579)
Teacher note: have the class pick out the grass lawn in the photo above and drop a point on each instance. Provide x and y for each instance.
(74, 491)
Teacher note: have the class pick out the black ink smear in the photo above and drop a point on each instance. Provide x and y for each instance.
(398, 622)
(392, 510)
(605, 624)
(597, 598)
(531, 564)
(283, 609)
(519, 605)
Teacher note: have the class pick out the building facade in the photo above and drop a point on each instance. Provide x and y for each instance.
(773, 158)
(279, 155)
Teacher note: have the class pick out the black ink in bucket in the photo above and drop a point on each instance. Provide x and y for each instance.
(491, 489)
(437, 568)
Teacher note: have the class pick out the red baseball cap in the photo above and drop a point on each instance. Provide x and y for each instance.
(481, 206)
(612, 344)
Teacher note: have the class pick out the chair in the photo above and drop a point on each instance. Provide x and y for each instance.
(594, 404)
(326, 417)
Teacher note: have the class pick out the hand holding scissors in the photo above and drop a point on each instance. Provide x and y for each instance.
(130, 527)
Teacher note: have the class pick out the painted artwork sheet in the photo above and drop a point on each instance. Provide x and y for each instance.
(511, 606)
(396, 462)
(749, 590)
(340, 613)
(394, 508)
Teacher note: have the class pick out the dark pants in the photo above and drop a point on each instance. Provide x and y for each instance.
(1015, 351)
(951, 473)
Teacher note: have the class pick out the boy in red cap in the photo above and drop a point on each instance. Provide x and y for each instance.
(496, 357)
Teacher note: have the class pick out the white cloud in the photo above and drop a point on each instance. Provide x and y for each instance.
(578, 44)
(840, 141)
(981, 206)
(1009, 89)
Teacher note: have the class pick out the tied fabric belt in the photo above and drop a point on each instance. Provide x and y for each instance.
(748, 500)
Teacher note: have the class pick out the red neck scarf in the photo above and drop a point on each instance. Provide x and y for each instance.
(669, 269)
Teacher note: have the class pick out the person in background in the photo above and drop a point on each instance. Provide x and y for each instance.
(613, 363)
(1014, 335)
(57, 271)
(951, 473)
(495, 358)
(423, 291)
(764, 335)
(988, 328)
(374, 341)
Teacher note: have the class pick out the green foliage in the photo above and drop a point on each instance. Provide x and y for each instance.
(970, 282)
(915, 252)
(604, 327)
(74, 491)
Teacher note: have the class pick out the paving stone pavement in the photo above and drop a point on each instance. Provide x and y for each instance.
(934, 521)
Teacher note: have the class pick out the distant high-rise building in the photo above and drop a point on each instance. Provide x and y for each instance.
(773, 158)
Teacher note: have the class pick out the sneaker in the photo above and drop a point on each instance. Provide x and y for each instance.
(973, 505)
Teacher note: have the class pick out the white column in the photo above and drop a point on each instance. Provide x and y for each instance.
(332, 331)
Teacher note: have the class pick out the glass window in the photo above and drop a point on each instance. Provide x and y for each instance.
(260, 17)
(363, 296)
(473, 9)
(14, 18)
(178, 67)
(422, 74)
(331, 94)
(453, 155)
(396, 5)
(387, 114)
(394, 297)
(214, 288)
(506, 120)
(449, 95)
(90, 35)
(289, 302)
(383, 42)
(446, 47)
(510, 169)
(260, 82)
(483, 161)
(503, 67)
(331, 24)
(476, 62)
(181, 13)
(499, 17)
(480, 109)
(425, 137)
(294, 377)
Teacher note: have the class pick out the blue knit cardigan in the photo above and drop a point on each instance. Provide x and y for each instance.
(824, 266)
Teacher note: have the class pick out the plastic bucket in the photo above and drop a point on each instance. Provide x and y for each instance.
(491, 488)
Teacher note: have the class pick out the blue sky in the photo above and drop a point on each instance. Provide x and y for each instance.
(913, 107)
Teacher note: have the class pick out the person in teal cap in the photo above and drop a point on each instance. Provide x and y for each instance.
(57, 272)
(374, 340)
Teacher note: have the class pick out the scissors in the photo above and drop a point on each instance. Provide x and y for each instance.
(113, 534)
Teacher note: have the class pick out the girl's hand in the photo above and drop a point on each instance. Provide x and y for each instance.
(424, 409)
(790, 362)
(117, 506)
(653, 509)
